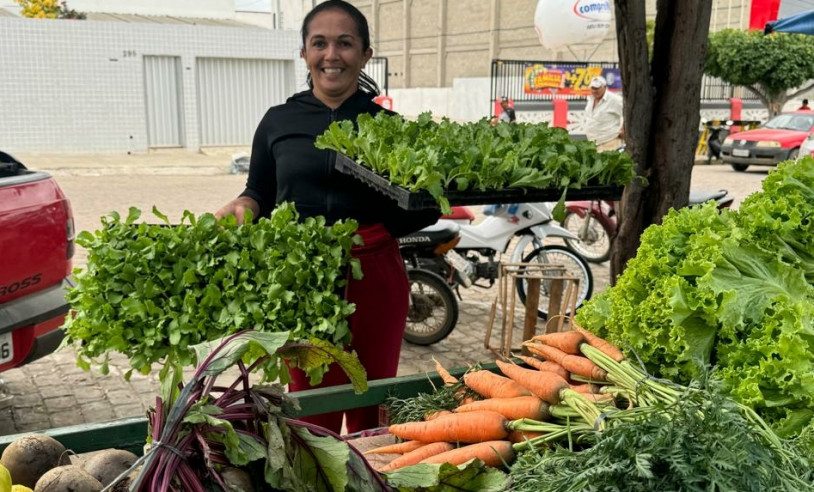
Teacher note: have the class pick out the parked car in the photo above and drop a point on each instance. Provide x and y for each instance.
(807, 147)
(777, 140)
(36, 247)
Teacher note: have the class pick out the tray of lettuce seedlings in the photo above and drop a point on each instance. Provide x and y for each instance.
(429, 164)
(151, 291)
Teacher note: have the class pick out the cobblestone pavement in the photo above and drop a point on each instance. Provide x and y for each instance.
(53, 392)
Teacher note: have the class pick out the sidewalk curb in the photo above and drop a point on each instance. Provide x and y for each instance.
(139, 171)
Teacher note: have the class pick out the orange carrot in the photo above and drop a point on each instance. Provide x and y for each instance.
(416, 456)
(521, 436)
(446, 377)
(546, 385)
(521, 407)
(493, 453)
(596, 398)
(397, 448)
(439, 413)
(585, 388)
(601, 344)
(468, 399)
(544, 365)
(491, 385)
(461, 427)
(567, 341)
(547, 352)
(581, 366)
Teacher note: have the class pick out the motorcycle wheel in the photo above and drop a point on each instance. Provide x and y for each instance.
(433, 310)
(575, 266)
(596, 245)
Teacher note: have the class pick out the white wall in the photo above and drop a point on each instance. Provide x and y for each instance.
(210, 9)
(79, 86)
(466, 100)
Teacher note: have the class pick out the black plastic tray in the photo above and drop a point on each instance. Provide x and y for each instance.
(423, 200)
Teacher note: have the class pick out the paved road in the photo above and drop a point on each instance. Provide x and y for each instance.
(53, 392)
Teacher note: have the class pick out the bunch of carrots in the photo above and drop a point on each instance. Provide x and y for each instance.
(577, 384)
(563, 394)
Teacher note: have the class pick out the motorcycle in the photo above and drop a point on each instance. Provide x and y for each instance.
(474, 256)
(715, 139)
(433, 310)
(594, 223)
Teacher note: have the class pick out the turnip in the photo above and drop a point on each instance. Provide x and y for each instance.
(68, 478)
(106, 465)
(30, 456)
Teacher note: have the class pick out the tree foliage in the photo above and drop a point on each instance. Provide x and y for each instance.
(768, 65)
(47, 9)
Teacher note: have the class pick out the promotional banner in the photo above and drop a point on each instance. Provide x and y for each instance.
(563, 22)
(566, 79)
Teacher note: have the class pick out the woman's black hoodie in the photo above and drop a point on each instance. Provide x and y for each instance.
(286, 166)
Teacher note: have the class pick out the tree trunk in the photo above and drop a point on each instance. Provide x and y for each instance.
(662, 112)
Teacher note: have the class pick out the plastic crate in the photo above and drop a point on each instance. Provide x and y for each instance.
(417, 200)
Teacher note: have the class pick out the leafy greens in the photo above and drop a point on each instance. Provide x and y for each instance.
(152, 291)
(449, 156)
(730, 289)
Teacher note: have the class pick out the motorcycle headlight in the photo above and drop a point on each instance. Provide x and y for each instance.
(768, 144)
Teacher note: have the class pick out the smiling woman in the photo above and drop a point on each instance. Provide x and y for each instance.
(335, 53)
(287, 167)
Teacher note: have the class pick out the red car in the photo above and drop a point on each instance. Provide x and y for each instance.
(777, 140)
(36, 247)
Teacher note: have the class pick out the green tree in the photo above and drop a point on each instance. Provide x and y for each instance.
(768, 65)
(662, 111)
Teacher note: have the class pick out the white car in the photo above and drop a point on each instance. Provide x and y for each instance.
(807, 147)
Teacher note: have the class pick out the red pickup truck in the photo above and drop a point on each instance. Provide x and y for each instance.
(36, 247)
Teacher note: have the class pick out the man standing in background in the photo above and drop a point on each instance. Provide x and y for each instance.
(604, 120)
(507, 114)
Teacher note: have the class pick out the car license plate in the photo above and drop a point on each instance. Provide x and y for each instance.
(6, 348)
(740, 152)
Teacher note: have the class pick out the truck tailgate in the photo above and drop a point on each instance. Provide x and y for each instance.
(36, 235)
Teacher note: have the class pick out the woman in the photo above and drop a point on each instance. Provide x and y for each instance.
(285, 166)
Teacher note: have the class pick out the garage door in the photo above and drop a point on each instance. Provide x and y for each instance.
(163, 97)
(233, 94)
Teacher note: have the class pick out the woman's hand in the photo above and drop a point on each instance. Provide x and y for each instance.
(238, 208)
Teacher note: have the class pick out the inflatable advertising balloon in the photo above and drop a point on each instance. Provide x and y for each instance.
(562, 22)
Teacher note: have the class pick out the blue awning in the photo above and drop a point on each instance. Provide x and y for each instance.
(802, 23)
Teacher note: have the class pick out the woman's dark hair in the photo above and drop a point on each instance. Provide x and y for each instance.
(366, 82)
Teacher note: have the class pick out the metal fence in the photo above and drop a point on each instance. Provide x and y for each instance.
(377, 69)
(510, 78)
(715, 89)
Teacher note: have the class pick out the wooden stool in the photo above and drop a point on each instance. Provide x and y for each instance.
(563, 292)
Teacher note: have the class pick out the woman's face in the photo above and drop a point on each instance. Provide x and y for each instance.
(334, 55)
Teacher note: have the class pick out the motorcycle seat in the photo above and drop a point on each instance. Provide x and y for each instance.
(698, 197)
(440, 232)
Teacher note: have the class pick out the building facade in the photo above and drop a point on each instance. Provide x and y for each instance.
(116, 86)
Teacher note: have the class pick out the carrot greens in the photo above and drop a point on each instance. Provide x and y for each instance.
(700, 442)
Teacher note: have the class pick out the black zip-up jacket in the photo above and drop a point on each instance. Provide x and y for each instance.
(286, 166)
